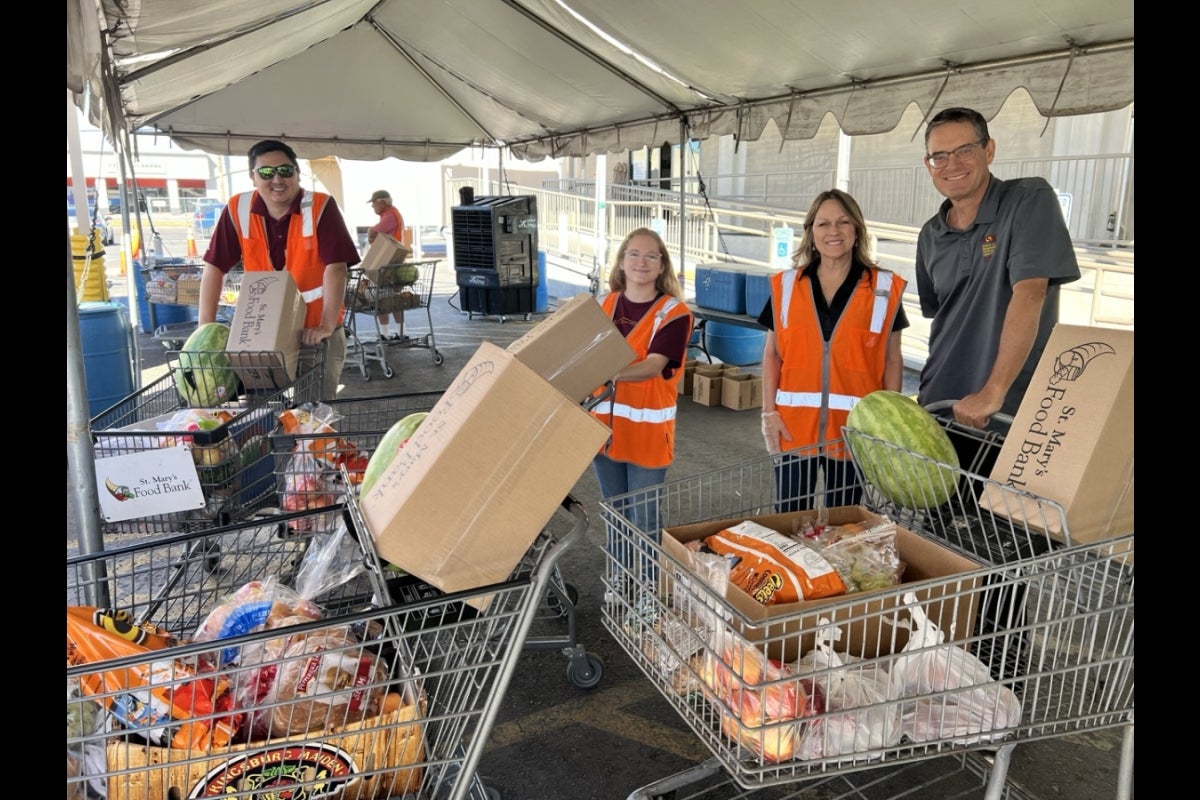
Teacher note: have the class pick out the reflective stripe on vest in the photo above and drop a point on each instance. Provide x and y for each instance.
(842, 402)
(307, 224)
(789, 280)
(883, 292)
(632, 414)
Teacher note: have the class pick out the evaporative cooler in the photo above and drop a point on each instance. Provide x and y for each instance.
(496, 254)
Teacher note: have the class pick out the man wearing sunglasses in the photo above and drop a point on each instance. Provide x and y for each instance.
(282, 226)
(988, 266)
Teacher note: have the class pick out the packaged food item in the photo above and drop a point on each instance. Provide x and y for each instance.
(774, 568)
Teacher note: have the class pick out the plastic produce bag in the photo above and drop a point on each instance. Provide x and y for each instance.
(869, 722)
(950, 694)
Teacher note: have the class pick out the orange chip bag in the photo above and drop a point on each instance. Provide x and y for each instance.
(774, 568)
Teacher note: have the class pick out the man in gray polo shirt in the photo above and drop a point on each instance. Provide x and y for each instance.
(989, 265)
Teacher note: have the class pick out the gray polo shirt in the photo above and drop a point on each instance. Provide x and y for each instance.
(965, 278)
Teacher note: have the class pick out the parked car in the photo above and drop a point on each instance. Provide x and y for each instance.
(204, 218)
(100, 221)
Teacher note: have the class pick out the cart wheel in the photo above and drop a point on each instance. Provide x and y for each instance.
(437, 358)
(387, 370)
(587, 671)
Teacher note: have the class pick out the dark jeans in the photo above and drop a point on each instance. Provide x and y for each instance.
(796, 482)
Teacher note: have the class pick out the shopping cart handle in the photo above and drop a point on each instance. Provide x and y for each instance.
(942, 405)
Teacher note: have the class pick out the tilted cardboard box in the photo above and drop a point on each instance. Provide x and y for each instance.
(577, 348)
(471, 490)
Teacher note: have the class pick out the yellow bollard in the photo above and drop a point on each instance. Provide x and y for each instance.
(91, 282)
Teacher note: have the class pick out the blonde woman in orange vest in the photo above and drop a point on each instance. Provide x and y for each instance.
(646, 303)
(833, 336)
(281, 226)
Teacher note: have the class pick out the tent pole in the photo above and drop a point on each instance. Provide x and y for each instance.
(683, 145)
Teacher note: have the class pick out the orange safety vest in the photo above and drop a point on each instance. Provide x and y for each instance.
(815, 409)
(399, 234)
(641, 414)
(303, 256)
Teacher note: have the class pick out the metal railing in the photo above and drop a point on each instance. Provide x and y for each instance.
(739, 232)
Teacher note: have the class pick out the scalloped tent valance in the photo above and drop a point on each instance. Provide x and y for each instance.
(420, 81)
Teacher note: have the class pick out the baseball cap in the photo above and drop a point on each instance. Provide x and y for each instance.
(380, 195)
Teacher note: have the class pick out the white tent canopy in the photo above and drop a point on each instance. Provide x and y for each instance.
(420, 80)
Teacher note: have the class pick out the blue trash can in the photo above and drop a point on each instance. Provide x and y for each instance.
(107, 342)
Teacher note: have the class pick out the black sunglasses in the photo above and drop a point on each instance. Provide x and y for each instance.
(267, 173)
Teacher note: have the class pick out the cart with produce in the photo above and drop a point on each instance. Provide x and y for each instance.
(938, 630)
(282, 671)
(201, 406)
(395, 289)
(320, 457)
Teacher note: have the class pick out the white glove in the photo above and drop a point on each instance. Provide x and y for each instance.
(774, 431)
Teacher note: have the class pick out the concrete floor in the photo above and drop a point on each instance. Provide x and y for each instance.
(554, 740)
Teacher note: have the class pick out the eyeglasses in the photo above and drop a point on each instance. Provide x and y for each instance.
(649, 258)
(965, 153)
(267, 173)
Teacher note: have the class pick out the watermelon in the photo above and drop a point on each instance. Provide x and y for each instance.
(899, 420)
(204, 376)
(389, 446)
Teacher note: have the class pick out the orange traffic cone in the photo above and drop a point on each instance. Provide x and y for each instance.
(191, 245)
(136, 248)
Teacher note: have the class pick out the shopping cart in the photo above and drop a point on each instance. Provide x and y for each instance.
(425, 683)
(229, 441)
(1065, 655)
(394, 289)
(309, 477)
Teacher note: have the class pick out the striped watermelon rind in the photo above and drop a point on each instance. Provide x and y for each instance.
(204, 376)
(388, 447)
(900, 421)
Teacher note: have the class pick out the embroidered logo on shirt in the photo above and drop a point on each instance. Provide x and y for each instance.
(989, 245)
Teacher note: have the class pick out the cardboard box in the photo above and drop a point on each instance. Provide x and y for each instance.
(471, 490)
(264, 337)
(707, 382)
(741, 391)
(791, 628)
(1071, 440)
(685, 380)
(577, 348)
(384, 250)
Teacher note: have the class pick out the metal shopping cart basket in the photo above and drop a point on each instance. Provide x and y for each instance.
(309, 477)
(1065, 658)
(394, 289)
(406, 693)
(228, 439)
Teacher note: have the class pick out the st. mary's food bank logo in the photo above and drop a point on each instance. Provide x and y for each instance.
(291, 772)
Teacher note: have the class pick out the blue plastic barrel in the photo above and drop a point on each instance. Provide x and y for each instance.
(734, 344)
(106, 339)
(542, 296)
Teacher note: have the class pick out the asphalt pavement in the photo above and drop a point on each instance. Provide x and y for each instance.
(555, 740)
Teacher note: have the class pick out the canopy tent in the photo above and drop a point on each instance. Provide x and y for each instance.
(420, 80)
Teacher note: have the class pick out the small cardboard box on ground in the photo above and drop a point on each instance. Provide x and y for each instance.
(577, 348)
(474, 486)
(707, 382)
(950, 603)
(689, 374)
(264, 337)
(384, 250)
(1071, 440)
(741, 391)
